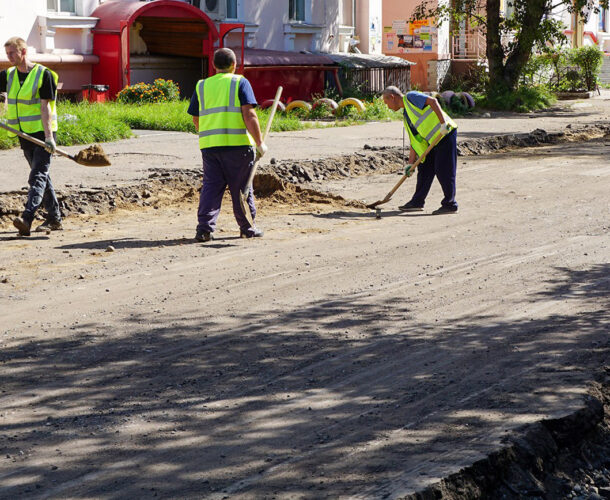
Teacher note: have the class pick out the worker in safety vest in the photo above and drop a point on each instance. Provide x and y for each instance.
(31, 92)
(223, 112)
(425, 122)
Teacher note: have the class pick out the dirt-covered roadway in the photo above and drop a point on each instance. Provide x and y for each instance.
(339, 356)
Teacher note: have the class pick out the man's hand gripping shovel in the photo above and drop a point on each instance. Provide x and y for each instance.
(243, 195)
(388, 196)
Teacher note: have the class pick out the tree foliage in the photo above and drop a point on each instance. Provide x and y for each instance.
(510, 41)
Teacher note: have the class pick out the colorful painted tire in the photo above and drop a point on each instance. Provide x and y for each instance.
(351, 101)
(269, 102)
(325, 101)
(298, 105)
(467, 99)
(447, 96)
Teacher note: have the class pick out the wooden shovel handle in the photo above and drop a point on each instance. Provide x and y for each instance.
(413, 167)
(38, 142)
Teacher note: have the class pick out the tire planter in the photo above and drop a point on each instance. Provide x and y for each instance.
(325, 101)
(447, 95)
(467, 99)
(298, 105)
(269, 102)
(351, 101)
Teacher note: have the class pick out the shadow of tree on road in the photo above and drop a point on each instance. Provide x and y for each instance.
(338, 397)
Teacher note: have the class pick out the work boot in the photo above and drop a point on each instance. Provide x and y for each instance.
(49, 225)
(410, 207)
(203, 236)
(251, 233)
(22, 225)
(445, 210)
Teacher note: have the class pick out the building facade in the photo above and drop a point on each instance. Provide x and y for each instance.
(65, 34)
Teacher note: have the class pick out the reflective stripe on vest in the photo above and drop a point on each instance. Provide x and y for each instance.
(24, 101)
(427, 125)
(220, 120)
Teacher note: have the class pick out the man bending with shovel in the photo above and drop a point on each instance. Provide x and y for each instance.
(426, 123)
(31, 92)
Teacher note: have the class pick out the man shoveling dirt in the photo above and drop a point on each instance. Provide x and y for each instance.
(32, 90)
(426, 122)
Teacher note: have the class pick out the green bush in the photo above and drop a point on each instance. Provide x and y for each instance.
(159, 91)
(523, 99)
(589, 60)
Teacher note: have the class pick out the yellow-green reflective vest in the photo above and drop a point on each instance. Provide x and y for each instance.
(220, 120)
(427, 125)
(24, 101)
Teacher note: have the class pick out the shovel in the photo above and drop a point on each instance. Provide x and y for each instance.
(243, 195)
(388, 196)
(93, 156)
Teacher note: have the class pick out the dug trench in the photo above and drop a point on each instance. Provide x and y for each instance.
(280, 184)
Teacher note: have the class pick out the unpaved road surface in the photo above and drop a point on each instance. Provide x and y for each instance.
(339, 356)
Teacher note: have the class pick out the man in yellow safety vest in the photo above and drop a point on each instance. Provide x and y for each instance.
(426, 122)
(222, 108)
(31, 93)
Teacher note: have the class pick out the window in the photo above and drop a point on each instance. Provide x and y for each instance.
(603, 20)
(296, 10)
(232, 9)
(63, 6)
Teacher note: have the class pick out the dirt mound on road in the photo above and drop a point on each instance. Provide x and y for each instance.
(538, 137)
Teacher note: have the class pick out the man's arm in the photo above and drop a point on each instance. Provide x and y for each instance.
(433, 103)
(45, 113)
(252, 125)
(196, 122)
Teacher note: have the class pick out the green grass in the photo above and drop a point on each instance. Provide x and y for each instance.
(85, 123)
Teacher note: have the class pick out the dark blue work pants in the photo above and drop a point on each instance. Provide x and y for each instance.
(442, 163)
(41, 190)
(222, 167)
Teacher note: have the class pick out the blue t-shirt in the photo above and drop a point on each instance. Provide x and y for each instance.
(245, 93)
(417, 99)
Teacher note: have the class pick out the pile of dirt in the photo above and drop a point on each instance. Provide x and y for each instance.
(561, 458)
(93, 156)
(164, 188)
(539, 137)
(273, 190)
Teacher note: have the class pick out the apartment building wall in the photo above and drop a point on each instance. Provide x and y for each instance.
(424, 42)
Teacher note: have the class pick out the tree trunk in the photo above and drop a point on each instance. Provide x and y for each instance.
(495, 52)
(522, 51)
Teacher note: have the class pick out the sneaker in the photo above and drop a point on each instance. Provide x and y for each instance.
(203, 236)
(445, 210)
(49, 225)
(251, 233)
(410, 207)
(23, 225)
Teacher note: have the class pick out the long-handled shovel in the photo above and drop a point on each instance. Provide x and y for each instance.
(93, 156)
(388, 196)
(243, 195)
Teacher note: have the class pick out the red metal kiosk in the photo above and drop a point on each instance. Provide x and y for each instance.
(168, 28)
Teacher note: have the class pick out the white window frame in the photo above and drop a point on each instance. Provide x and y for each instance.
(57, 8)
(306, 12)
(238, 10)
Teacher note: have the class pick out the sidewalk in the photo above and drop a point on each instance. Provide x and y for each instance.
(132, 158)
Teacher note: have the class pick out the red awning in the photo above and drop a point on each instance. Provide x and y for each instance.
(114, 14)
